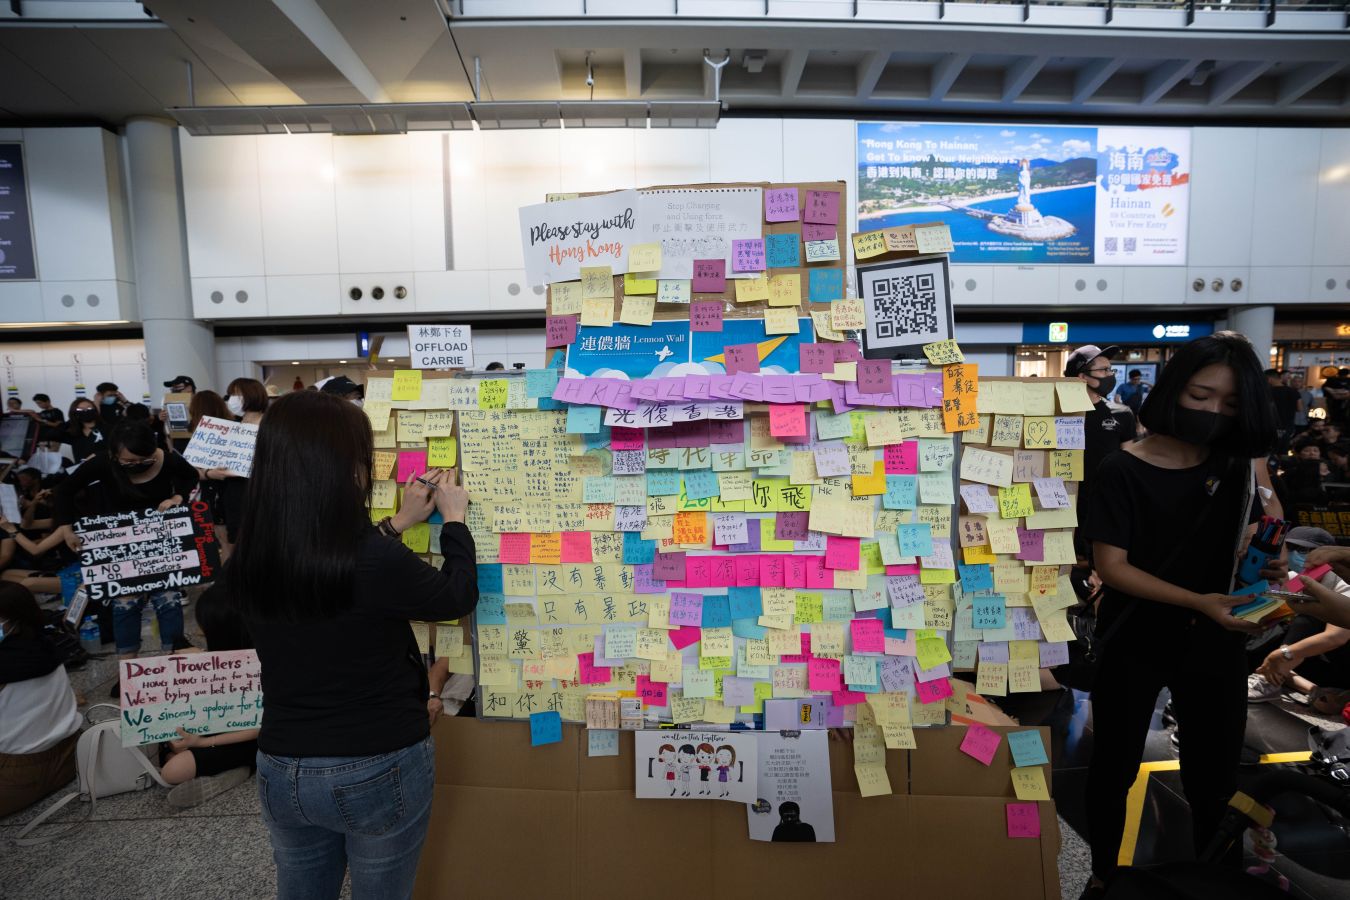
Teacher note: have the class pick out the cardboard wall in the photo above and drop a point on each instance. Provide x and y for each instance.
(514, 820)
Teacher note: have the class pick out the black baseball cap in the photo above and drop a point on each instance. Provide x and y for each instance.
(181, 379)
(1079, 359)
(342, 386)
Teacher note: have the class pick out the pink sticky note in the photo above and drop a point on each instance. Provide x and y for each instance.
(588, 672)
(822, 207)
(576, 547)
(823, 674)
(1024, 820)
(1295, 584)
(814, 231)
(411, 463)
(787, 420)
(747, 255)
(686, 609)
(816, 358)
(817, 576)
(740, 358)
(559, 331)
(514, 549)
(841, 552)
(710, 276)
(780, 205)
(902, 458)
(847, 351)
(683, 637)
(847, 698)
(651, 693)
(933, 691)
(868, 636)
(874, 376)
(794, 571)
(705, 315)
(621, 438)
(698, 573)
(668, 566)
(981, 743)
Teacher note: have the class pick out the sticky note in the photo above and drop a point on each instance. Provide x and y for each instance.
(1029, 783)
(874, 376)
(565, 298)
(673, 290)
(634, 284)
(644, 257)
(780, 205)
(741, 358)
(597, 283)
(781, 321)
(407, 385)
(782, 251)
(825, 285)
(1024, 820)
(1027, 748)
(1073, 396)
(822, 207)
(847, 315)
(747, 255)
(705, 315)
(545, 728)
(941, 353)
(787, 420)
(867, 244)
(559, 331)
(710, 276)
(602, 742)
(785, 289)
(981, 743)
(874, 782)
(597, 312)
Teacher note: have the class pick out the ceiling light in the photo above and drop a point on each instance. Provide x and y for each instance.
(342, 362)
(295, 362)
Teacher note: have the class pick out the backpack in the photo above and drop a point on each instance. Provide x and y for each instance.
(103, 768)
(64, 638)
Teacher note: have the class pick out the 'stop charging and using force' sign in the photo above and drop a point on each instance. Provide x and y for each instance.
(440, 346)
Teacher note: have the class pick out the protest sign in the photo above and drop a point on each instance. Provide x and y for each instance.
(202, 693)
(222, 444)
(147, 550)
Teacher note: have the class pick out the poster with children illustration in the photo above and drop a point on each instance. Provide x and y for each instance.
(696, 765)
(794, 802)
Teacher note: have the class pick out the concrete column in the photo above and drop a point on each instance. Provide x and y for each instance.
(175, 343)
(1258, 324)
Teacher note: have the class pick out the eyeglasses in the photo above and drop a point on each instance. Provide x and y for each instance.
(1097, 373)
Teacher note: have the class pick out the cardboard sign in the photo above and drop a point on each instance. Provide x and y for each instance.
(440, 346)
(222, 444)
(143, 551)
(176, 407)
(202, 693)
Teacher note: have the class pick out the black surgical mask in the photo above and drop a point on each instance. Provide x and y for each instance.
(86, 415)
(1105, 385)
(137, 466)
(1199, 426)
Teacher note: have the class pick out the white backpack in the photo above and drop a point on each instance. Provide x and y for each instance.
(103, 768)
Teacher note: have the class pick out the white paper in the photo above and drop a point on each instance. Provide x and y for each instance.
(694, 223)
(9, 503)
(559, 238)
(697, 765)
(794, 769)
(222, 444)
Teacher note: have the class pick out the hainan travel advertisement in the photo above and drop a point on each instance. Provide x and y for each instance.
(1031, 194)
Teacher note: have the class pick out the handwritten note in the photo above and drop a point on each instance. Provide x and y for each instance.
(980, 743)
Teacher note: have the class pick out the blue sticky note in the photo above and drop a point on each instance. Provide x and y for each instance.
(490, 577)
(825, 285)
(636, 551)
(1027, 748)
(783, 251)
(990, 612)
(901, 492)
(976, 578)
(545, 728)
(716, 612)
(898, 634)
(491, 609)
(540, 382)
(915, 540)
(748, 629)
(602, 742)
(583, 419)
(663, 482)
(746, 602)
(700, 484)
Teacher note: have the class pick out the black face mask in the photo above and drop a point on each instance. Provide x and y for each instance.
(141, 466)
(1198, 426)
(86, 415)
(1105, 385)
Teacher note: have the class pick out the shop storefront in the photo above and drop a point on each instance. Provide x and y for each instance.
(1146, 344)
(1307, 348)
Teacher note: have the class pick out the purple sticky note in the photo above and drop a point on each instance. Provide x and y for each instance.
(780, 205)
(747, 255)
(817, 358)
(874, 376)
(847, 351)
(704, 315)
(559, 331)
(822, 207)
(741, 358)
(791, 526)
(668, 566)
(710, 276)
(814, 231)
(723, 431)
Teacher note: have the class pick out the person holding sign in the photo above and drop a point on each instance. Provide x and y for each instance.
(345, 755)
(1172, 512)
(246, 399)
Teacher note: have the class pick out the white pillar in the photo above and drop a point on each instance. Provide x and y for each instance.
(175, 343)
(1258, 324)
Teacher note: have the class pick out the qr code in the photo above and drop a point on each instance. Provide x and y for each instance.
(1130, 244)
(905, 304)
(1111, 244)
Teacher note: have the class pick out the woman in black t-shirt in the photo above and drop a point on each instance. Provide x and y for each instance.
(85, 432)
(1170, 517)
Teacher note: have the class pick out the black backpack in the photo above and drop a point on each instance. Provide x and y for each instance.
(64, 638)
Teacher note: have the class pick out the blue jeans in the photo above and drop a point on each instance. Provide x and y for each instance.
(168, 606)
(328, 813)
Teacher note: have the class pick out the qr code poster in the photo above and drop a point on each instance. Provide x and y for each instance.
(907, 304)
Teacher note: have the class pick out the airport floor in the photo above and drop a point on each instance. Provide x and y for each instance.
(220, 849)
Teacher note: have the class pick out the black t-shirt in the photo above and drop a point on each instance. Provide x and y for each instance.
(1286, 405)
(106, 494)
(363, 691)
(1105, 430)
(1181, 525)
(84, 445)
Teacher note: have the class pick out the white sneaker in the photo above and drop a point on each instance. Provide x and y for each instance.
(1259, 690)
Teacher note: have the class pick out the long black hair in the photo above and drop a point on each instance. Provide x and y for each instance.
(1253, 432)
(220, 622)
(305, 511)
(75, 426)
(19, 607)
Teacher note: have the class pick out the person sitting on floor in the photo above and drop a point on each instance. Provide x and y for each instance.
(202, 766)
(37, 706)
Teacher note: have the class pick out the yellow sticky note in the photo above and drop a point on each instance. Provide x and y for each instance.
(785, 290)
(442, 452)
(847, 315)
(411, 426)
(492, 394)
(872, 779)
(382, 464)
(1038, 398)
(597, 312)
(417, 538)
(942, 353)
(632, 284)
(933, 239)
(439, 423)
(637, 310)
(1038, 432)
(407, 385)
(867, 244)
(1029, 783)
(748, 290)
(1073, 396)
(1066, 464)
(824, 330)
(644, 257)
(781, 321)
(1015, 501)
(383, 493)
(565, 297)
(597, 282)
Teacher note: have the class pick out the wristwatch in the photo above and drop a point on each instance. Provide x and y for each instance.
(1284, 651)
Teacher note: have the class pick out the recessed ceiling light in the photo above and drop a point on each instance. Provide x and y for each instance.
(342, 362)
(294, 363)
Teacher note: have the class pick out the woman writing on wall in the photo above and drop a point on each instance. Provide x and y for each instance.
(345, 753)
(1172, 515)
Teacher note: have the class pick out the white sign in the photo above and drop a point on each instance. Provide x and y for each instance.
(795, 803)
(202, 693)
(696, 765)
(559, 238)
(222, 444)
(1143, 195)
(440, 346)
(9, 503)
(699, 223)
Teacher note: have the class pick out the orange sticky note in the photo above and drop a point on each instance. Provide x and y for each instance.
(960, 380)
(691, 527)
(546, 549)
(958, 414)
(871, 485)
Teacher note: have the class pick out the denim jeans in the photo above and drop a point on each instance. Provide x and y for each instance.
(168, 606)
(328, 813)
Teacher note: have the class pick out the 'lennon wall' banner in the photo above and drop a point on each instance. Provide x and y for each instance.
(1032, 193)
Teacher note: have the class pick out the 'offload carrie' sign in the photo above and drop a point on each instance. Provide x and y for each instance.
(440, 346)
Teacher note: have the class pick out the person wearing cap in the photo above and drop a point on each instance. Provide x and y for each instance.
(1312, 658)
(343, 387)
(1106, 428)
(181, 384)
